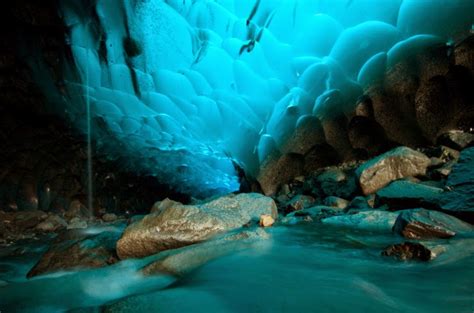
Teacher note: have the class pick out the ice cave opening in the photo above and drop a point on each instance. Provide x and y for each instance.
(188, 90)
(236, 156)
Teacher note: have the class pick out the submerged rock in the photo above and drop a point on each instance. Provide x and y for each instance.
(373, 220)
(405, 194)
(411, 251)
(180, 225)
(78, 249)
(425, 224)
(182, 260)
(311, 214)
(398, 163)
(443, 252)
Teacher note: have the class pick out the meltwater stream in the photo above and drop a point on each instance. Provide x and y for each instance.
(304, 268)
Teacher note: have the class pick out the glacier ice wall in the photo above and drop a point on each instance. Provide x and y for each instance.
(181, 88)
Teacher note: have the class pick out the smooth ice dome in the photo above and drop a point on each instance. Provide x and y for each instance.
(182, 89)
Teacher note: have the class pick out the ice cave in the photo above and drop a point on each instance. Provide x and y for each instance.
(237, 156)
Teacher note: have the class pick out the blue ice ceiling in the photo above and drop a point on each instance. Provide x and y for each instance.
(179, 88)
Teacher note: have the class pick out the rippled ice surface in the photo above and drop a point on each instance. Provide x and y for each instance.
(307, 268)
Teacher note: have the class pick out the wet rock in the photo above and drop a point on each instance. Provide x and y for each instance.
(77, 223)
(459, 200)
(333, 182)
(181, 225)
(162, 205)
(336, 202)
(293, 220)
(443, 153)
(77, 210)
(76, 249)
(436, 162)
(180, 261)
(404, 194)
(443, 171)
(375, 220)
(395, 164)
(29, 219)
(266, 220)
(359, 203)
(278, 171)
(109, 217)
(299, 202)
(456, 139)
(51, 224)
(425, 224)
(315, 213)
(410, 251)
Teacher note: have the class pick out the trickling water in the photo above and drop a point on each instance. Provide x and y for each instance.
(89, 143)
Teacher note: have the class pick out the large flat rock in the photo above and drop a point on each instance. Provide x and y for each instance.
(405, 194)
(179, 225)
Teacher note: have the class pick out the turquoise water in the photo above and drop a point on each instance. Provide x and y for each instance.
(305, 268)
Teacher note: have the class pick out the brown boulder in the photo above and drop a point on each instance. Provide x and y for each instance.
(395, 164)
(181, 225)
(425, 224)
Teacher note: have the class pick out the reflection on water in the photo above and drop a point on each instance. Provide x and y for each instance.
(305, 268)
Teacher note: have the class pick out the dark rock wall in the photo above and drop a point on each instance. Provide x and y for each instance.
(43, 161)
